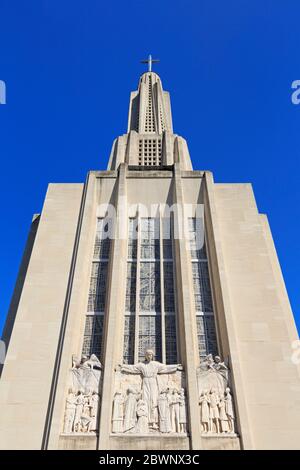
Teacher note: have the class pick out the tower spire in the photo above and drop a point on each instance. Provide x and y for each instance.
(149, 61)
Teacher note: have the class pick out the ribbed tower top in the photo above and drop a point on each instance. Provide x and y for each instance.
(150, 141)
(150, 108)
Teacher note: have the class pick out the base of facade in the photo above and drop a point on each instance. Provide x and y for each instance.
(77, 442)
(220, 443)
(146, 442)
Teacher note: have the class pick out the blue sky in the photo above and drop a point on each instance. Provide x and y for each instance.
(69, 67)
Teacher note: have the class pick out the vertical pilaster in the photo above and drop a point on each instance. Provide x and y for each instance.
(115, 309)
(223, 313)
(167, 148)
(75, 305)
(132, 151)
(142, 107)
(184, 285)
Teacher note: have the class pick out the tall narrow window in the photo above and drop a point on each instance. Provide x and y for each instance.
(150, 336)
(169, 292)
(206, 330)
(150, 320)
(92, 341)
(150, 295)
(130, 304)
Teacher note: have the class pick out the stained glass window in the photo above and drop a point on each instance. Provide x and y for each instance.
(171, 343)
(149, 238)
(206, 330)
(129, 328)
(153, 263)
(97, 292)
(102, 242)
(131, 287)
(130, 304)
(92, 340)
(203, 299)
(132, 238)
(169, 287)
(150, 336)
(150, 287)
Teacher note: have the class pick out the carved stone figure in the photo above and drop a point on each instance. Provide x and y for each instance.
(221, 367)
(212, 374)
(86, 404)
(79, 410)
(149, 369)
(85, 362)
(223, 416)
(164, 412)
(94, 405)
(85, 422)
(130, 418)
(217, 411)
(205, 414)
(229, 409)
(86, 374)
(174, 405)
(82, 410)
(214, 410)
(118, 410)
(142, 417)
(182, 411)
(70, 412)
(207, 363)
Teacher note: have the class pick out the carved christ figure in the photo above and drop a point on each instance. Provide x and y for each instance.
(148, 370)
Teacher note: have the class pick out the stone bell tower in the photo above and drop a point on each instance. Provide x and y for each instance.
(150, 311)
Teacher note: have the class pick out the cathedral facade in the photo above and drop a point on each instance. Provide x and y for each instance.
(150, 310)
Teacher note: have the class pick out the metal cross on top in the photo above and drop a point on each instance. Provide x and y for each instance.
(149, 61)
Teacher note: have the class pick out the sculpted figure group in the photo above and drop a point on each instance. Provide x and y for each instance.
(130, 412)
(149, 409)
(82, 402)
(81, 412)
(217, 411)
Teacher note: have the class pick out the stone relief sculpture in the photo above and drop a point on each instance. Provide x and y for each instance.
(118, 412)
(153, 401)
(164, 412)
(215, 400)
(70, 412)
(142, 417)
(130, 410)
(182, 411)
(229, 409)
(82, 403)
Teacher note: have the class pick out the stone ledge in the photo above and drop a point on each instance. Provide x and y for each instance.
(77, 442)
(76, 434)
(160, 435)
(148, 442)
(217, 442)
(219, 436)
